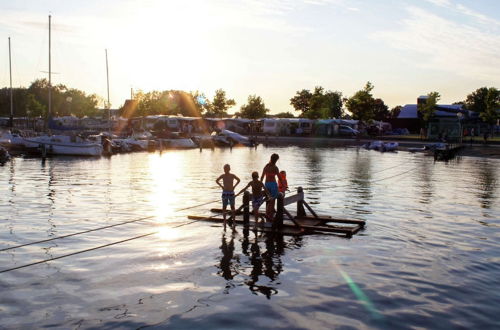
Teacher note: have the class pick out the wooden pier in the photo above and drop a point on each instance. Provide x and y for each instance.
(284, 222)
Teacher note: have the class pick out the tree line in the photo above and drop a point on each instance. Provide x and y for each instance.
(34, 101)
(316, 104)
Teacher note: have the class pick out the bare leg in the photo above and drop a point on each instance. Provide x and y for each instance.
(224, 215)
(233, 215)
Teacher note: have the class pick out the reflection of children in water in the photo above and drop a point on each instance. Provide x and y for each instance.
(261, 254)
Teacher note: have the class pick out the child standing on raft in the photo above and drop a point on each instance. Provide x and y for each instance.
(259, 194)
(228, 192)
(271, 172)
(282, 183)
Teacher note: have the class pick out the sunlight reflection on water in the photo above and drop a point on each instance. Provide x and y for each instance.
(427, 256)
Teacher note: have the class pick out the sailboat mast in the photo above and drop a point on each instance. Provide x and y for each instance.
(50, 72)
(107, 83)
(11, 119)
(107, 76)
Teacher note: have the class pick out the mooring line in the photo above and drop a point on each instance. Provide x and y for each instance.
(378, 180)
(99, 228)
(74, 234)
(88, 250)
(380, 171)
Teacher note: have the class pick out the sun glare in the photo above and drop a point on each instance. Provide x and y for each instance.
(165, 170)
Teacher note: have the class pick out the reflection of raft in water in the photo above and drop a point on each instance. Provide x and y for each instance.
(286, 223)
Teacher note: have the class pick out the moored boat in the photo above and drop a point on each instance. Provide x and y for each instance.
(227, 138)
(382, 146)
(176, 143)
(64, 145)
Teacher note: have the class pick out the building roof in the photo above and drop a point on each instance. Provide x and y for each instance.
(409, 111)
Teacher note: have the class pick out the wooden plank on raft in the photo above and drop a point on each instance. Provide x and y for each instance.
(325, 220)
(310, 209)
(286, 230)
(348, 231)
(321, 219)
(308, 222)
(293, 199)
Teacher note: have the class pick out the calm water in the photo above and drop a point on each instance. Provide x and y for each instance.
(429, 256)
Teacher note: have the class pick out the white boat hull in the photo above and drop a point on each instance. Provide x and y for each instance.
(59, 146)
(177, 143)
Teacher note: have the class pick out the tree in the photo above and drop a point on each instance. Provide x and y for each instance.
(491, 114)
(301, 101)
(319, 104)
(254, 109)
(361, 104)
(287, 114)
(380, 110)
(428, 108)
(396, 111)
(220, 104)
(486, 102)
(35, 108)
(200, 102)
(476, 101)
(332, 104)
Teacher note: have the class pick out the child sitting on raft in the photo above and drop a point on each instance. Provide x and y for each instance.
(228, 192)
(259, 194)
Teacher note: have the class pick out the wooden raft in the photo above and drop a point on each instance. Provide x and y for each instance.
(286, 223)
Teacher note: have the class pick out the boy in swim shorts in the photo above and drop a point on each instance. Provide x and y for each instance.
(228, 192)
(259, 194)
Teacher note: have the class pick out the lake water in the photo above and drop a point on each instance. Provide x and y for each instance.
(429, 256)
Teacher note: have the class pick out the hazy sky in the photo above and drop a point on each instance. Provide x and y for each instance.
(271, 48)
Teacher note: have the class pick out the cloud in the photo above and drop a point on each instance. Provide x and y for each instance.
(445, 45)
(441, 3)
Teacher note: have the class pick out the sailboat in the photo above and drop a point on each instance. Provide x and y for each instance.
(61, 144)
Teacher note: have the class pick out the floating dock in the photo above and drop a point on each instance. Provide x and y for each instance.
(447, 153)
(284, 222)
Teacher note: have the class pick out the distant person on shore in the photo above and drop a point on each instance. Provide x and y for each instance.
(282, 183)
(271, 174)
(259, 194)
(486, 135)
(228, 192)
(422, 133)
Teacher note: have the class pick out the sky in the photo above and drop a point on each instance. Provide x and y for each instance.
(269, 48)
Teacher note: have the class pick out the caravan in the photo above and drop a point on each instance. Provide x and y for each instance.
(276, 126)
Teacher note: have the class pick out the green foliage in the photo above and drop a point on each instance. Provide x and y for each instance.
(428, 108)
(319, 104)
(476, 101)
(362, 104)
(491, 114)
(254, 109)
(34, 100)
(380, 110)
(301, 101)
(284, 115)
(172, 102)
(219, 106)
(485, 101)
(394, 113)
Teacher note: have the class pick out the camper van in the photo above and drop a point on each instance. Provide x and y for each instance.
(171, 123)
(276, 126)
(305, 126)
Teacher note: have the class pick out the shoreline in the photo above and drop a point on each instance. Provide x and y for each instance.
(475, 150)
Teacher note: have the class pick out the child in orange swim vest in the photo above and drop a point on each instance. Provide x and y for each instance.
(282, 183)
